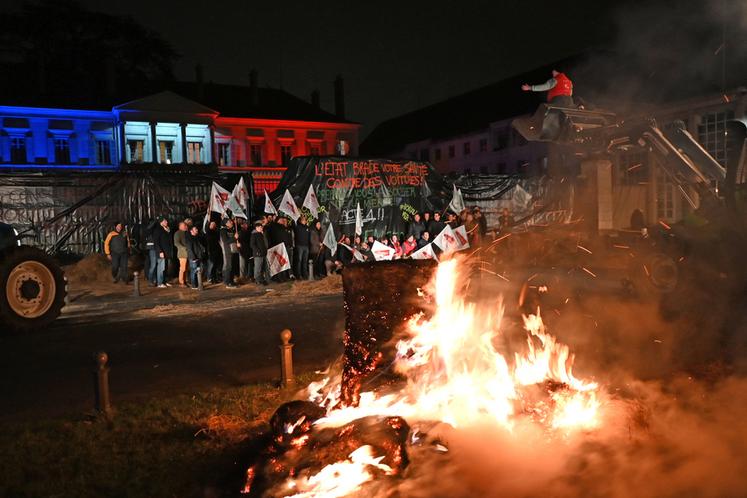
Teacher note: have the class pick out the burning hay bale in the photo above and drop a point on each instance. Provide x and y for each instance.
(379, 297)
(299, 455)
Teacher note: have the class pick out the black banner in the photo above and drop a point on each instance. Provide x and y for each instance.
(389, 191)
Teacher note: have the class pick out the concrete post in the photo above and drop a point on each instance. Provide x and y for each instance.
(136, 284)
(286, 360)
(311, 269)
(101, 384)
(199, 279)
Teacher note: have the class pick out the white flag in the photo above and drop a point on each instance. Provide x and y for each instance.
(425, 252)
(235, 207)
(461, 237)
(269, 206)
(447, 240)
(288, 206)
(356, 253)
(520, 198)
(218, 199)
(382, 252)
(457, 201)
(311, 202)
(241, 193)
(329, 240)
(358, 219)
(277, 259)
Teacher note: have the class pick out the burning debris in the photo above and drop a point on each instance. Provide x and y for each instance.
(446, 375)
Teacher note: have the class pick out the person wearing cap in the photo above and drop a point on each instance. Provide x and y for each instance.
(559, 89)
(116, 248)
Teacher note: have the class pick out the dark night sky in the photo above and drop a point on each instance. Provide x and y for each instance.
(394, 56)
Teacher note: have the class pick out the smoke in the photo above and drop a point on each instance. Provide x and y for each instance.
(685, 440)
(668, 50)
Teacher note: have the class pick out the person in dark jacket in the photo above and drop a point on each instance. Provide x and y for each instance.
(284, 235)
(228, 238)
(436, 225)
(116, 248)
(424, 240)
(303, 242)
(152, 254)
(482, 222)
(258, 245)
(214, 252)
(315, 246)
(164, 244)
(417, 227)
(195, 254)
(245, 252)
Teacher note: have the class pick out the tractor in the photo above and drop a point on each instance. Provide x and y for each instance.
(32, 283)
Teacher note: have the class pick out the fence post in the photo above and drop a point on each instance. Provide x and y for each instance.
(286, 360)
(136, 284)
(101, 384)
(199, 279)
(311, 269)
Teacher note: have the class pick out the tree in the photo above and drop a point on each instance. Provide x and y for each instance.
(57, 47)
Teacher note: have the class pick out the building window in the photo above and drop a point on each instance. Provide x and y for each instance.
(224, 154)
(484, 170)
(62, 151)
(664, 198)
(500, 168)
(437, 154)
(18, 150)
(712, 133)
(165, 151)
(483, 145)
(425, 155)
(451, 151)
(135, 152)
(315, 149)
(467, 171)
(633, 168)
(522, 167)
(286, 152)
(501, 139)
(466, 148)
(194, 152)
(103, 152)
(255, 151)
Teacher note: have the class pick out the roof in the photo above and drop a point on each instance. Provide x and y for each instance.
(166, 101)
(228, 100)
(458, 115)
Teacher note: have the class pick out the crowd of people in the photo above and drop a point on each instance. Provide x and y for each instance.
(232, 251)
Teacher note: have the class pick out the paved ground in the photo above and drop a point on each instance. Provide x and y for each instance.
(168, 341)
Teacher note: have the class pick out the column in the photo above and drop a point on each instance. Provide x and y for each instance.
(213, 154)
(153, 143)
(183, 128)
(122, 143)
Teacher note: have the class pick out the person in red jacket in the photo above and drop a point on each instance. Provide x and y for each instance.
(559, 89)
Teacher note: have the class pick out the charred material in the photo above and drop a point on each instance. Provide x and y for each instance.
(295, 448)
(379, 297)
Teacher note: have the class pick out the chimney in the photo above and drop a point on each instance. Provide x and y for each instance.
(339, 97)
(200, 82)
(110, 75)
(254, 87)
(315, 99)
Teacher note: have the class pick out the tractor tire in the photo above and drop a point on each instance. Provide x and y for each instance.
(32, 289)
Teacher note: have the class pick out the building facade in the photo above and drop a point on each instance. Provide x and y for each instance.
(166, 130)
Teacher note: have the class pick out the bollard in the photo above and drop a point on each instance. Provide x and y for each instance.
(136, 284)
(199, 280)
(286, 360)
(311, 270)
(101, 384)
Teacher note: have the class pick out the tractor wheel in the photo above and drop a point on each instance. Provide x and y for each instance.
(33, 289)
